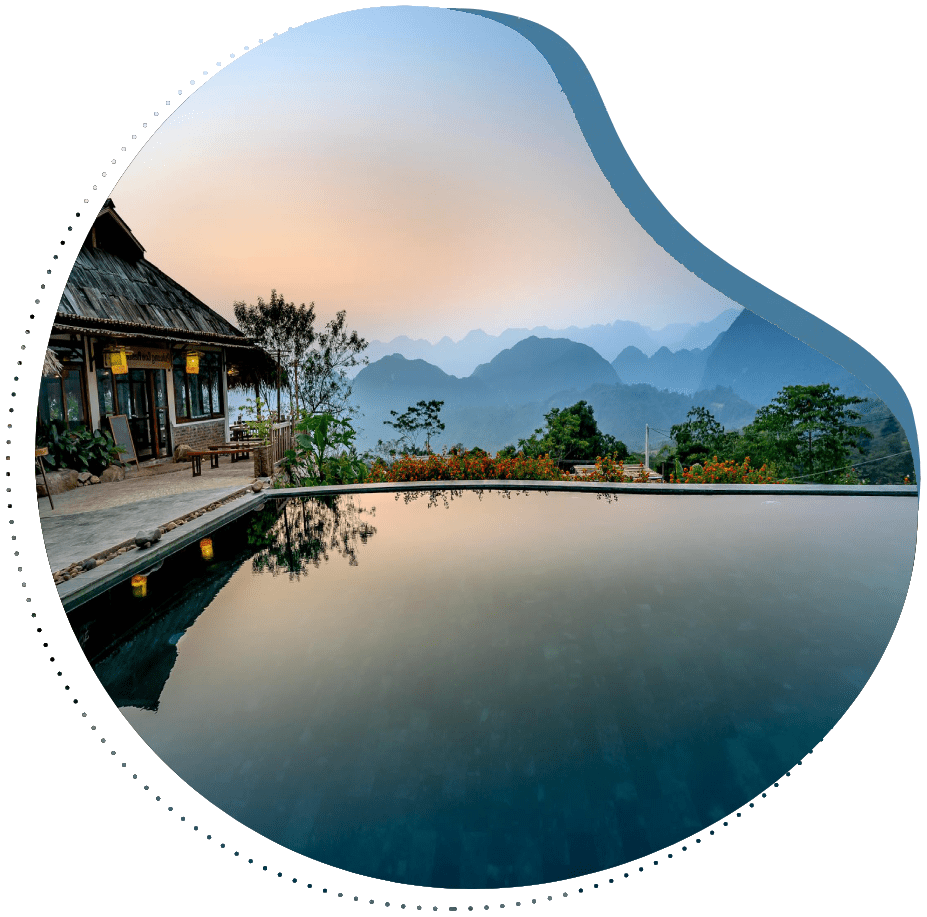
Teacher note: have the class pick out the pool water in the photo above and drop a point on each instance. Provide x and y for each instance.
(496, 690)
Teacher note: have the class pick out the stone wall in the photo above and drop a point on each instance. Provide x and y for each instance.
(200, 435)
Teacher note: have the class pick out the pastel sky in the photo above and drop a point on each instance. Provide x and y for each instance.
(419, 168)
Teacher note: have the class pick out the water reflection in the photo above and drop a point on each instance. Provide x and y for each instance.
(289, 536)
(515, 690)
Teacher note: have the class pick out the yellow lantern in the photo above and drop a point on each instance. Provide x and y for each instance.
(193, 362)
(206, 549)
(116, 358)
(139, 586)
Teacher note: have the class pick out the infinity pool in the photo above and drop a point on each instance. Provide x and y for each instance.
(496, 690)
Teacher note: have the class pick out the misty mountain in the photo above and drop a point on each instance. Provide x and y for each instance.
(681, 371)
(756, 359)
(506, 399)
(704, 334)
(531, 371)
(460, 358)
(536, 368)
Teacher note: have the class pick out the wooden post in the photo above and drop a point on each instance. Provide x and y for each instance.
(38, 457)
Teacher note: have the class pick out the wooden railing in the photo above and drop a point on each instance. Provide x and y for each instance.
(281, 439)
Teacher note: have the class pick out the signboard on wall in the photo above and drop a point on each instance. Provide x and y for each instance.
(149, 358)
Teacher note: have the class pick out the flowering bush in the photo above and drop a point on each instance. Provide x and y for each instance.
(606, 469)
(853, 477)
(728, 472)
(460, 465)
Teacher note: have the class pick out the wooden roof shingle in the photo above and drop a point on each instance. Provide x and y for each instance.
(112, 282)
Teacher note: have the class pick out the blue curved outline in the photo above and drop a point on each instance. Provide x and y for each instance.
(619, 170)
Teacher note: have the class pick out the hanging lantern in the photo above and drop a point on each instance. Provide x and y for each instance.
(122, 366)
(116, 358)
(193, 362)
(206, 549)
(139, 586)
(232, 372)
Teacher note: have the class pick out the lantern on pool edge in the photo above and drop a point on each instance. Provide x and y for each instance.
(139, 586)
(193, 362)
(206, 549)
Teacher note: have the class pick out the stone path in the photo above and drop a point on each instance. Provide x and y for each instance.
(91, 519)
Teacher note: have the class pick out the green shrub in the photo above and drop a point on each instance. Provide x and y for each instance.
(80, 449)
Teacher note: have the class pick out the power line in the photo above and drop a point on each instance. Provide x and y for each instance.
(857, 465)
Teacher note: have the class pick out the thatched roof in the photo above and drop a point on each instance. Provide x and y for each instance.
(250, 367)
(113, 289)
(51, 365)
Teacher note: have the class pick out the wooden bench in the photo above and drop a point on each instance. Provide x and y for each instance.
(196, 458)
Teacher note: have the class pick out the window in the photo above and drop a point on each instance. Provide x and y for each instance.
(61, 398)
(198, 396)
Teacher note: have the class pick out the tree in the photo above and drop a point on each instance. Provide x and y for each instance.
(279, 328)
(699, 438)
(420, 418)
(811, 428)
(572, 434)
(324, 385)
(314, 364)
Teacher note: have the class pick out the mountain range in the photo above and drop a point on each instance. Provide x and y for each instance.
(505, 398)
(460, 358)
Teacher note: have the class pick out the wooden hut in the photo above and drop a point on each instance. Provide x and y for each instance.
(130, 340)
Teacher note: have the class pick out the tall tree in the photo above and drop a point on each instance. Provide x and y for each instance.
(324, 384)
(313, 363)
(699, 438)
(572, 434)
(813, 428)
(280, 328)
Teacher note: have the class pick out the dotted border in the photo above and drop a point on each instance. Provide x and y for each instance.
(182, 819)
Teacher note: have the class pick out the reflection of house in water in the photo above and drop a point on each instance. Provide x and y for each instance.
(134, 667)
(132, 642)
(133, 341)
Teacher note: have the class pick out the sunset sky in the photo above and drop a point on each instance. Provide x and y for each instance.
(419, 168)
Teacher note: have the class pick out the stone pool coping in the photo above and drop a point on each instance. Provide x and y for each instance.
(830, 490)
(93, 582)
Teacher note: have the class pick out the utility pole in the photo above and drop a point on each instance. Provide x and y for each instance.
(647, 446)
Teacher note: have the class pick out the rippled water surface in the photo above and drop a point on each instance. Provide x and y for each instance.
(506, 690)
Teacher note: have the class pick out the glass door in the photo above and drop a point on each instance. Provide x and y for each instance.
(158, 379)
(133, 396)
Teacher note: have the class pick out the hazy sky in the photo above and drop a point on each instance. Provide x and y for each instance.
(416, 167)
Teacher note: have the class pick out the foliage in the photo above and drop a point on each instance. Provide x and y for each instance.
(608, 468)
(312, 363)
(324, 453)
(726, 472)
(475, 465)
(323, 385)
(80, 449)
(811, 428)
(423, 417)
(698, 438)
(572, 434)
(851, 476)
(290, 536)
(278, 327)
(259, 421)
(887, 442)
(807, 432)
